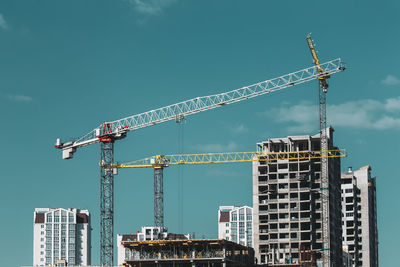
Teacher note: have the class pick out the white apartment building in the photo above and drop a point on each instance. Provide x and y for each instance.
(61, 234)
(236, 224)
(359, 216)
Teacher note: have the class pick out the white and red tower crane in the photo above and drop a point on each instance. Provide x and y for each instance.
(108, 132)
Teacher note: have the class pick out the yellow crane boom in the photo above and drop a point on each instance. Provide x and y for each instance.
(161, 161)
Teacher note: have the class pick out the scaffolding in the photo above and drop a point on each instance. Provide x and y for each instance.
(193, 252)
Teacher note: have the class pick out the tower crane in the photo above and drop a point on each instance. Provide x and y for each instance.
(159, 162)
(108, 132)
(322, 90)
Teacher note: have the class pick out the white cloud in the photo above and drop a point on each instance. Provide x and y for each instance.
(20, 98)
(362, 114)
(239, 129)
(151, 7)
(3, 23)
(391, 80)
(231, 146)
(392, 104)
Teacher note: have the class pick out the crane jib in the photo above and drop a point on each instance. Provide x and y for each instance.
(115, 130)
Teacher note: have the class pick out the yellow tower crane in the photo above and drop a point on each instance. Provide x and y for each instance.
(159, 162)
(322, 90)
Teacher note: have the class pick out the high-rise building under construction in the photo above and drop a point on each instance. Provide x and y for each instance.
(287, 210)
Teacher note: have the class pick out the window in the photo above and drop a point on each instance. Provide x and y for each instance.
(241, 227)
(63, 219)
(41, 259)
(41, 246)
(56, 218)
(63, 226)
(241, 215)
(49, 218)
(227, 231)
(48, 233)
(71, 233)
(42, 226)
(71, 260)
(70, 218)
(234, 216)
(227, 224)
(41, 252)
(248, 225)
(42, 233)
(42, 239)
(248, 216)
(63, 233)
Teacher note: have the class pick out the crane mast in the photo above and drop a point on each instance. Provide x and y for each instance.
(107, 203)
(322, 90)
(109, 132)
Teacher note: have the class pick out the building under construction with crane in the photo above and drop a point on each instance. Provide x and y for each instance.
(108, 133)
(287, 203)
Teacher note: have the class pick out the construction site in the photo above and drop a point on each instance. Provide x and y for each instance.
(296, 215)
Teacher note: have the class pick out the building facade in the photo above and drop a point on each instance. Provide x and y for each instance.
(359, 216)
(236, 224)
(147, 233)
(188, 253)
(61, 234)
(350, 223)
(287, 214)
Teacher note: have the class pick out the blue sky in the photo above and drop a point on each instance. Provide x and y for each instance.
(67, 66)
